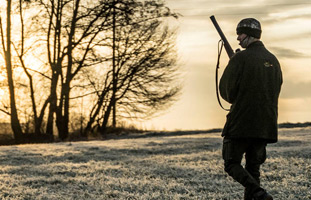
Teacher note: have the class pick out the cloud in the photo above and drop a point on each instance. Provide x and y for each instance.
(289, 2)
(230, 10)
(289, 17)
(281, 52)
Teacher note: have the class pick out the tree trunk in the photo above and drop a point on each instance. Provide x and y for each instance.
(16, 127)
(55, 62)
(63, 108)
(62, 112)
(103, 127)
(65, 132)
(53, 103)
(114, 78)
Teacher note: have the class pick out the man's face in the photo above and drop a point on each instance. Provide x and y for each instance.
(242, 38)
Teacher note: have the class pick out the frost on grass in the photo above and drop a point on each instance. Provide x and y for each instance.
(175, 167)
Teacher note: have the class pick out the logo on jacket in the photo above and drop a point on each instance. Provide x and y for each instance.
(268, 64)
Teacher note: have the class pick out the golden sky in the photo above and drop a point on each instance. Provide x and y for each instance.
(286, 32)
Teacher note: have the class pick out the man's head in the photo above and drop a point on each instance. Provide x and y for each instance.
(248, 30)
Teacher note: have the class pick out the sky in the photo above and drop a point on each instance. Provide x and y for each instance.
(286, 32)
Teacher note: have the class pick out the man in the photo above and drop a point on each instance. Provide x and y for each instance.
(251, 82)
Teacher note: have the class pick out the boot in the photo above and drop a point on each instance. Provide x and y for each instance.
(262, 195)
(247, 194)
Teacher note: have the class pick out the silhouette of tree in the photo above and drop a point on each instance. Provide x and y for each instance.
(6, 45)
(33, 121)
(20, 51)
(145, 59)
(75, 28)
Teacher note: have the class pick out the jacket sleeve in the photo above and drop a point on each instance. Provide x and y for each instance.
(229, 82)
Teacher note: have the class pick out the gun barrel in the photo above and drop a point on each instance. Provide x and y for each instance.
(223, 37)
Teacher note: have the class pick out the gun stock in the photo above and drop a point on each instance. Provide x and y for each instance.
(223, 37)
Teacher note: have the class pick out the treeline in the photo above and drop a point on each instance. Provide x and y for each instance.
(79, 65)
(295, 125)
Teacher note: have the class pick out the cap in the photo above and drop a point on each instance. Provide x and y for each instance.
(249, 26)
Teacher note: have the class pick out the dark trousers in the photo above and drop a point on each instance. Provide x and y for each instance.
(255, 155)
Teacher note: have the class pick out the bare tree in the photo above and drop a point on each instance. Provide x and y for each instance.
(75, 28)
(20, 51)
(145, 71)
(6, 45)
(33, 120)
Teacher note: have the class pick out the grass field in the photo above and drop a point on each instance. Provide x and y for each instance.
(165, 167)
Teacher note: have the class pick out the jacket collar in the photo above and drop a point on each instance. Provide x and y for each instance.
(255, 44)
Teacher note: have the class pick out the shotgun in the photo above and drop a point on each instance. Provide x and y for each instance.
(223, 37)
(229, 52)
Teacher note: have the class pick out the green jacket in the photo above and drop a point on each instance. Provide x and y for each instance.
(252, 83)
